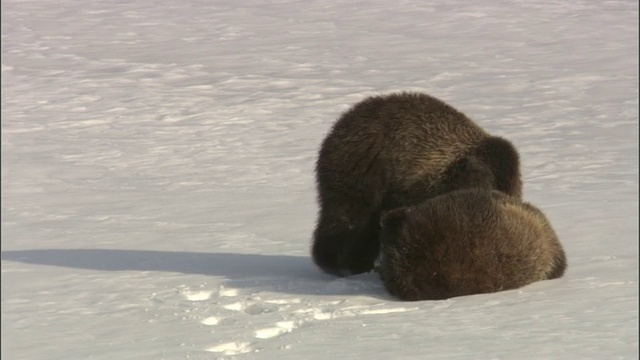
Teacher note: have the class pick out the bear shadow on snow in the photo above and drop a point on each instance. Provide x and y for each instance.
(277, 273)
(392, 151)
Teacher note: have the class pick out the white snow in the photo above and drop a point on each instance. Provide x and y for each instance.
(158, 193)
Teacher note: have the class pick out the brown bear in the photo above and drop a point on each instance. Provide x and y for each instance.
(391, 151)
(466, 242)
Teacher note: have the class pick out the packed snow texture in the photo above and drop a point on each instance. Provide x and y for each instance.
(158, 193)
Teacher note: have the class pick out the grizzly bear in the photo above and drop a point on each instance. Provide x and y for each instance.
(397, 150)
(466, 242)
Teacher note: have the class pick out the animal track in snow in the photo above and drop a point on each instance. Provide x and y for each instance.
(320, 314)
(197, 295)
(211, 320)
(385, 311)
(231, 348)
(228, 292)
(256, 322)
(281, 327)
(256, 307)
(284, 301)
(236, 306)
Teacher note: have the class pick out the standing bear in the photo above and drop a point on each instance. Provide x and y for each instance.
(397, 150)
(466, 242)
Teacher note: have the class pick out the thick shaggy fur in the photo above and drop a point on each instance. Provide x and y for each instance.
(397, 150)
(467, 242)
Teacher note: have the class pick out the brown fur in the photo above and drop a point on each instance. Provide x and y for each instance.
(467, 242)
(397, 150)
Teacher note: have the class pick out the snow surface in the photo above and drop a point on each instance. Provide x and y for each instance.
(158, 193)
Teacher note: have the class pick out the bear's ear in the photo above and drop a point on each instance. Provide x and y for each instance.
(393, 218)
(503, 159)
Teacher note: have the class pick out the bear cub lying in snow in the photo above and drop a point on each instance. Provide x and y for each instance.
(466, 242)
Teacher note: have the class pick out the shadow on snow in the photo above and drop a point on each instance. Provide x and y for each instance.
(279, 273)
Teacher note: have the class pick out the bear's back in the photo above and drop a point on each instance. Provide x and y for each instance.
(413, 136)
